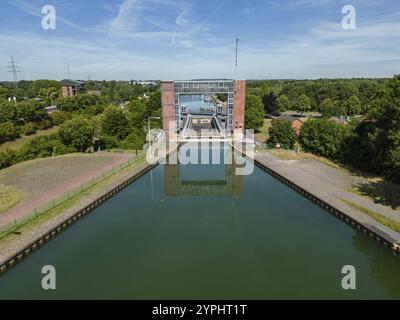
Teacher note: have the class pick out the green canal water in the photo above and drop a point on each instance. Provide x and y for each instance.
(201, 232)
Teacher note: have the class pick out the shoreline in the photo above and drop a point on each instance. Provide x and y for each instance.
(33, 240)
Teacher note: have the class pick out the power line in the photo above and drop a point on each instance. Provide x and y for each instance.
(14, 69)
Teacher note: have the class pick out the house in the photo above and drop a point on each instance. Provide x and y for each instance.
(51, 109)
(297, 123)
(70, 88)
(341, 121)
(94, 92)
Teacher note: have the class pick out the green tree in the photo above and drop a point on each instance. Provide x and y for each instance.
(264, 91)
(77, 132)
(254, 115)
(154, 105)
(115, 123)
(323, 137)
(281, 131)
(135, 140)
(283, 103)
(137, 113)
(328, 108)
(353, 106)
(8, 111)
(302, 104)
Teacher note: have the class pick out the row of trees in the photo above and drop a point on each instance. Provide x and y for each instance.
(371, 144)
(329, 97)
(22, 118)
(81, 131)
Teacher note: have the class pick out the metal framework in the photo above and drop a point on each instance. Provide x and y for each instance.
(205, 87)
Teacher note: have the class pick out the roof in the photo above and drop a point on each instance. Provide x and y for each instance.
(67, 82)
(288, 118)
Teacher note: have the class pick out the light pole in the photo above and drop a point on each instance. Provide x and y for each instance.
(151, 153)
(149, 129)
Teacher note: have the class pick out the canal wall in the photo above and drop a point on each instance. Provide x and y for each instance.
(22, 251)
(388, 238)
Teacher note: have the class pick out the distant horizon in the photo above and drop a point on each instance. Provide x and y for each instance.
(185, 39)
(211, 79)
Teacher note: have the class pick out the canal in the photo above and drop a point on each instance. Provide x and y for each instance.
(202, 232)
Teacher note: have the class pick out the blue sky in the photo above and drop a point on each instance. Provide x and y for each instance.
(182, 39)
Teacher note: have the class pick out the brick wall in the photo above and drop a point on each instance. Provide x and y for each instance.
(168, 105)
(239, 104)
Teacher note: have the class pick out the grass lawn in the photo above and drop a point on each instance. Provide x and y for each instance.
(42, 179)
(290, 155)
(9, 197)
(32, 225)
(380, 191)
(18, 143)
(262, 136)
(392, 224)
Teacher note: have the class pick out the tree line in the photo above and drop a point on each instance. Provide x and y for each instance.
(86, 122)
(370, 143)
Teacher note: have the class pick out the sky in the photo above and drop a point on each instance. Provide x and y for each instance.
(190, 39)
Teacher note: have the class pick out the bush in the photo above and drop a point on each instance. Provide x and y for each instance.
(107, 142)
(282, 132)
(323, 137)
(42, 147)
(77, 133)
(44, 124)
(135, 140)
(8, 132)
(7, 158)
(59, 117)
(115, 123)
(28, 129)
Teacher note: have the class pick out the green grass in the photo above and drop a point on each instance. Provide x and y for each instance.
(390, 223)
(9, 198)
(34, 223)
(18, 143)
(262, 135)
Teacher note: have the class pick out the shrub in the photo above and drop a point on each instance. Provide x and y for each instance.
(107, 142)
(28, 129)
(59, 117)
(135, 140)
(282, 132)
(43, 146)
(323, 137)
(8, 132)
(7, 158)
(77, 133)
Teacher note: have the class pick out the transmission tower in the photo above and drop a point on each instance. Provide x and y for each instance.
(14, 69)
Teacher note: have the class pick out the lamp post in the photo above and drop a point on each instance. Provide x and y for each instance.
(151, 152)
(149, 129)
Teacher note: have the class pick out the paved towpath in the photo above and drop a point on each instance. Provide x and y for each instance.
(330, 185)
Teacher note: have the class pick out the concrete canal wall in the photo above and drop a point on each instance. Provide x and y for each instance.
(18, 254)
(361, 222)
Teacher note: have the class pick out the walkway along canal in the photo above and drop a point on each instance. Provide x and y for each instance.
(202, 232)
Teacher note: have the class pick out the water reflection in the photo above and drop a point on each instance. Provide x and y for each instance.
(207, 178)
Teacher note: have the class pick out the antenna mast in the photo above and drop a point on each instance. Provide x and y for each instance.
(69, 73)
(237, 50)
(13, 68)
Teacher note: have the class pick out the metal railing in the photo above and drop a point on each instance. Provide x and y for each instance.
(70, 194)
